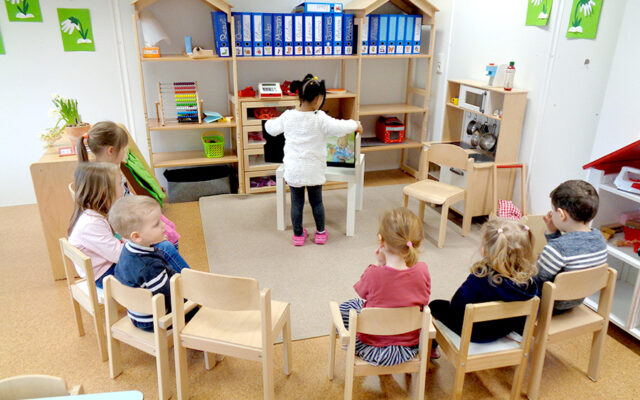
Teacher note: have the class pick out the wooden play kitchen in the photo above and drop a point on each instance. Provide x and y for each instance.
(244, 152)
(502, 121)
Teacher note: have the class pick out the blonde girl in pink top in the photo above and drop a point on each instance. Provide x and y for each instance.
(397, 280)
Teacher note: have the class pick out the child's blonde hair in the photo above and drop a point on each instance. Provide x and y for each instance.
(95, 189)
(101, 135)
(128, 213)
(508, 252)
(402, 233)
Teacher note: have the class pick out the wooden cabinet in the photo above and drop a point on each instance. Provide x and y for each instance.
(507, 129)
(415, 103)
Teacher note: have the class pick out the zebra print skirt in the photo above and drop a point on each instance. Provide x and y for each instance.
(378, 356)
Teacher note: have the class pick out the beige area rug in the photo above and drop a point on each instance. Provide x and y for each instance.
(241, 239)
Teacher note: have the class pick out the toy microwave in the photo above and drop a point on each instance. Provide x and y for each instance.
(390, 130)
(474, 99)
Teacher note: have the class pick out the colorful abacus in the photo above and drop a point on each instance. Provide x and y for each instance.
(179, 102)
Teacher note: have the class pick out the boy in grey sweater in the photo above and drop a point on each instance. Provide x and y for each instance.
(571, 243)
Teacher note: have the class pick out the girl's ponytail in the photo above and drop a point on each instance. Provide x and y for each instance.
(81, 149)
(402, 233)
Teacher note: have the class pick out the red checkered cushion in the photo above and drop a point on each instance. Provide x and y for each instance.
(506, 209)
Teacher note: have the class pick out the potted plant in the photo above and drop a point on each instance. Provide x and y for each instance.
(68, 121)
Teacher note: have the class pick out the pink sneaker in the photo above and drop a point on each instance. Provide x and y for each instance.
(321, 238)
(299, 240)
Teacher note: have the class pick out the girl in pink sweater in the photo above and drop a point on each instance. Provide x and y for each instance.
(398, 280)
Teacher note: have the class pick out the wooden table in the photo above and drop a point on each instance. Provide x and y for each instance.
(51, 176)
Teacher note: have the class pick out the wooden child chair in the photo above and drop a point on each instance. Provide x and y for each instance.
(156, 343)
(236, 319)
(35, 386)
(84, 293)
(434, 192)
(578, 321)
(469, 357)
(382, 321)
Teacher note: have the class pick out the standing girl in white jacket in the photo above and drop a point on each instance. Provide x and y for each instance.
(306, 129)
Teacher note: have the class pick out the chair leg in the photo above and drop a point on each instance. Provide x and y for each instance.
(78, 315)
(458, 383)
(98, 322)
(421, 211)
(182, 379)
(280, 194)
(210, 360)
(332, 351)
(466, 222)
(162, 366)
(421, 377)
(348, 380)
(267, 372)
(597, 347)
(537, 362)
(286, 345)
(444, 217)
(115, 361)
(518, 377)
(406, 201)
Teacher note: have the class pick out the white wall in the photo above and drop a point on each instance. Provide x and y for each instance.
(560, 124)
(565, 96)
(618, 124)
(34, 67)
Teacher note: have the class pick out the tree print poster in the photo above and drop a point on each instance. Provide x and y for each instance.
(583, 23)
(76, 30)
(23, 10)
(538, 12)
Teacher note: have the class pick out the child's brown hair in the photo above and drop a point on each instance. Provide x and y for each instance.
(95, 186)
(402, 233)
(102, 135)
(578, 198)
(507, 252)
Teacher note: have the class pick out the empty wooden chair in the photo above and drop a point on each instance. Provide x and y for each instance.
(156, 343)
(434, 192)
(578, 321)
(236, 319)
(469, 357)
(381, 321)
(84, 293)
(35, 386)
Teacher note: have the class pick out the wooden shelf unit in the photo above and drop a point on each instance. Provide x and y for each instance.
(407, 144)
(416, 99)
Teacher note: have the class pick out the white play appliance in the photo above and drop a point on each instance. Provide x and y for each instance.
(628, 180)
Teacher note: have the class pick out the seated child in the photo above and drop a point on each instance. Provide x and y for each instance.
(398, 280)
(138, 220)
(505, 273)
(573, 205)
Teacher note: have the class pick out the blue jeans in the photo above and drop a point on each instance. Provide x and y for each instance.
(170, 253)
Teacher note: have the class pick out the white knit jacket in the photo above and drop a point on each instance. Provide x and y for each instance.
(305, 148)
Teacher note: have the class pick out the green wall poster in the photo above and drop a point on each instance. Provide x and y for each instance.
(1, 44)
(75, 28)
(583, 23)
(23, 10)
(538, 12)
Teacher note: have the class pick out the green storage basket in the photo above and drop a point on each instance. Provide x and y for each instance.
(213, 144)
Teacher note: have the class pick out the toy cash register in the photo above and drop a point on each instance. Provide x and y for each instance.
(269, 89)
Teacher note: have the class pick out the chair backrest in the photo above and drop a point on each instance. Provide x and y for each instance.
(77, 258)
(579, 284)
(32, 386)
(220, 292)
(448, 155)
(135, 299)
(496, 310)
(390, 321)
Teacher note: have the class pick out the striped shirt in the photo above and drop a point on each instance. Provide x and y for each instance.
(144, 267)
(570, 252)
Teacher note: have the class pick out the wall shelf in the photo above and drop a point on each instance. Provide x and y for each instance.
(407, 144)
(182, 57)
(384, 109)
(474, 112)
(190, 158)
(396, 56)
(156, 126)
